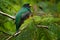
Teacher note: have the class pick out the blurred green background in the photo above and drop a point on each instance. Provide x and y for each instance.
(49, 16)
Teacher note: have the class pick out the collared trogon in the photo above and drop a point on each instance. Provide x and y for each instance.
(22, 15)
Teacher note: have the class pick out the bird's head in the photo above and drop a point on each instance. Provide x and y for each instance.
(27, 5)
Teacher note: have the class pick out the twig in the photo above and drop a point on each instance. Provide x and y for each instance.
(42, 26)
(13, 35)
(39, 26)
(5, 14)
(4, 32)
(17, 33)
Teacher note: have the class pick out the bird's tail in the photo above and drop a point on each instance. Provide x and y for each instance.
(17, 27)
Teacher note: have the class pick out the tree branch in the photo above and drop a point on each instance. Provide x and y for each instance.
(42, 26)
(14, 35)
(5, 14)
(39, 26)
(12, 17)
(17, 33)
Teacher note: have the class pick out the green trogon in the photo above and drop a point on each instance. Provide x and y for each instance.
(22, 15)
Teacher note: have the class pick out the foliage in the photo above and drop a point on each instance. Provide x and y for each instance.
(49, 16)
(32, 32)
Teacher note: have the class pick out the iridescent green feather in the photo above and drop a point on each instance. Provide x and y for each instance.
(19, 15)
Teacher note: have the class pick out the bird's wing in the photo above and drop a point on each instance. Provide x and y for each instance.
(26, 14)
(20, 15)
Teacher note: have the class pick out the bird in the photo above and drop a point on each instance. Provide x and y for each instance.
(22, 15)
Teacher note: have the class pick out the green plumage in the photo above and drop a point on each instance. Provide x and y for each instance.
(21, 16)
